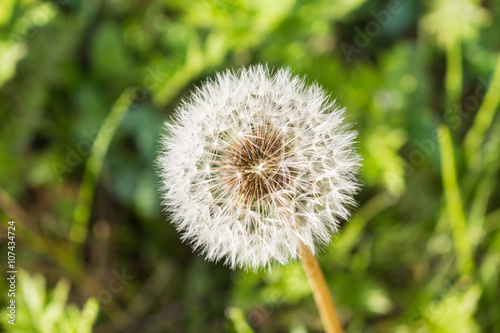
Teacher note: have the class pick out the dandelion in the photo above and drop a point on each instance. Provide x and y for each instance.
(258, 168)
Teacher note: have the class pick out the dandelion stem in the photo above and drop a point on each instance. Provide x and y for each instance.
(322, 296)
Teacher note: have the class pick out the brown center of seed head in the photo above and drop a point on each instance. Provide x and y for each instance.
(253, 166)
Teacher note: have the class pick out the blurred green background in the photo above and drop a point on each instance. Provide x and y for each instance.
(86, 85)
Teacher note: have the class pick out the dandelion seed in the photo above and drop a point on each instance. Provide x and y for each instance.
(257, 165)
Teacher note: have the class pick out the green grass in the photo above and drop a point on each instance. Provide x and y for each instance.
(85, 87)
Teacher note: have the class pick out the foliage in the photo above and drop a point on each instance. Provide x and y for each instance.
(86, 85)
(39, 311)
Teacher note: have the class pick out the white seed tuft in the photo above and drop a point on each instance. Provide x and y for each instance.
(256, 165)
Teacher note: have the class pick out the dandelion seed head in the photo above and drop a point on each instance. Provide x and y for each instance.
(256, 165)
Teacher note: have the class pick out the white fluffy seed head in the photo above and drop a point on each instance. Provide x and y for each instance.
(256, 165)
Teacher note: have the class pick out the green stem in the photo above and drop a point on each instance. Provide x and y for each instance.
(463, 246)
(81, 216)
(453, 75)
(486, 184)
(482, 121)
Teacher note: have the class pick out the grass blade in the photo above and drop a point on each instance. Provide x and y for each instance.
(78, 231)
(454, 203)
